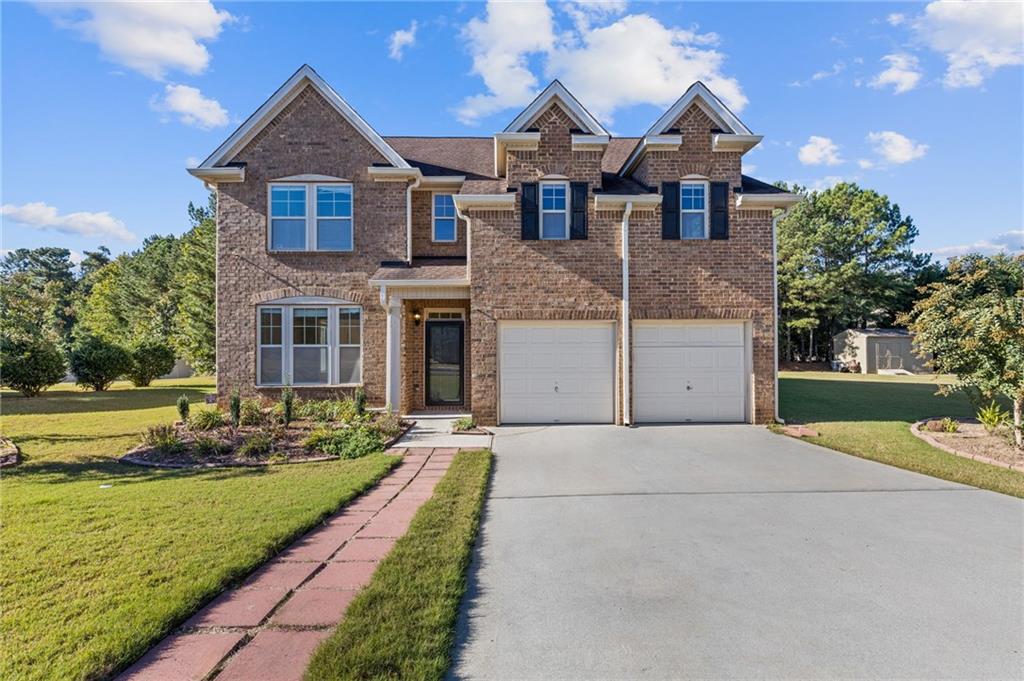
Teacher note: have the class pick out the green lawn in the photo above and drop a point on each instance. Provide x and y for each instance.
(869, 416)
(92, 575)
(401, 625)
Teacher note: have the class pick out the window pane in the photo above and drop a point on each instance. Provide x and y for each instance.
(553, 226)
(444, 229)
(444, 206)
(348, 326)
(288, 202)
(350, 366)
(288, 234)
(270, 365)
(553, 197)
(270, 327)
(309, 365)
(693, 225)
(692, 197)
(334, 235)
(334, 202)
(309, 326)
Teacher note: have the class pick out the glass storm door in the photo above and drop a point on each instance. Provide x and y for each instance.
(444, 362)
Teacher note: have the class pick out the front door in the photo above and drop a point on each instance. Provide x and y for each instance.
(444, 361)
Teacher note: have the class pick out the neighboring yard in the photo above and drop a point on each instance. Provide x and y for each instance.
(91, 575)
(869, 416)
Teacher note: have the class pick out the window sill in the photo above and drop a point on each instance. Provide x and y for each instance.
(310, 385)
(306, 252)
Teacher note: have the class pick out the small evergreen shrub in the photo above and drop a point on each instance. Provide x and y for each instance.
(950, 425)
(345, 443)
(465, 423)
(30, 365)
(96, 363)
(182, 405)
(235, 408)
(150, 358)
(258, 444)
(206, 419)
(163, 438)
(250, 413)
(204, 445)
(287, 405)
(993, 416)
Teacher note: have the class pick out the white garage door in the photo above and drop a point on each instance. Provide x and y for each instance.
(689, 372)
(557, 372)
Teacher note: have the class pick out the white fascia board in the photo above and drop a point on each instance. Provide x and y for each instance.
(557, 92)
(712, 105)
(740, 143)
(651, 143)
(590, 142)
(494, 201)
(284, 95)
(442, 180)
(526, 141)
(218, 175)
(419, 283)
(767, 201)
(386, 174)
(619, 201)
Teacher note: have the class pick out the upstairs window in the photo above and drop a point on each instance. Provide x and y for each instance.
(693, 210)
(444, 218)
(554, 210)
(311, 217)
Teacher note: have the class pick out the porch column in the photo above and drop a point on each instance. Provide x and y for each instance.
(393, 380)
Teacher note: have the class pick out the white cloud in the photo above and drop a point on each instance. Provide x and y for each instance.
(896, 18)
(896, 148)
(401, 39)
(192, 161)
(598, 63)
(76, 257)
(191, 107)
(865, 163)
(819, 151)
(903, 73)
(975, 37)
(826, 182)
(149, 37)
(1007, 242)
(836, 69)
(38, 215)
(749, 168)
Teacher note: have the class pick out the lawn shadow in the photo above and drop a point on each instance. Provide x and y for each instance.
(80, 401)
(107, 470)
(804, 400)
(474, 591)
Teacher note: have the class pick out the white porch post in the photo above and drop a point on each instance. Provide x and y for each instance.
(393, 380)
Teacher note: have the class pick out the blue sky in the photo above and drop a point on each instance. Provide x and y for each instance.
(104, 104)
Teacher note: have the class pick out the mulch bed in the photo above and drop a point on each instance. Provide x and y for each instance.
(972, 441)
(287, 447)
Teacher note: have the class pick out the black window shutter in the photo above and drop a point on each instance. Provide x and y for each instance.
(578, 202)
(531, 211)
(719, 210)
(670, 210)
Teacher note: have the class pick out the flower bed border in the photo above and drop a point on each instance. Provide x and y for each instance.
(915, 430)
(130, 459)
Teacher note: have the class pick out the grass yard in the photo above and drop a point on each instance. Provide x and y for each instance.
(869, 416)
(101, 559)
(401, 625)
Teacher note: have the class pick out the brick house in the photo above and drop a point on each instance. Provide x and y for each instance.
(550, 273)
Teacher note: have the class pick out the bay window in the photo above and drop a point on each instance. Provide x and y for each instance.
(309, 344)
(310, 217)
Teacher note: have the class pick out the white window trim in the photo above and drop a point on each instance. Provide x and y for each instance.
(311, 216)
(433, 220)
(707, 205)
(333, 346)
(567, 211)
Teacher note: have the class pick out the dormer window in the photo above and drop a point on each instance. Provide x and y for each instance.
(310, 217)
(554, 210)
(693, 210)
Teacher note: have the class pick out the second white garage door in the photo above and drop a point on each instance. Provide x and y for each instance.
(690, 371)
(557, 372)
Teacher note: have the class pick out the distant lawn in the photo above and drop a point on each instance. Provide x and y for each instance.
(402, 625)
(869, 416)
(91, 576)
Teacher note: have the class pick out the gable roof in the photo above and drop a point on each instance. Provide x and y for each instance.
(558, 93)
(711, 105)
(304, 77)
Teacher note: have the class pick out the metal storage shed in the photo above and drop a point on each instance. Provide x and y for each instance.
(879, 351)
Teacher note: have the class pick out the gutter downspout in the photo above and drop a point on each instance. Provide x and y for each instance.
(408, 217)
(469, 238)
(626, 348)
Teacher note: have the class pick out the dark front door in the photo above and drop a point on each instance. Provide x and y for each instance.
(444, 353)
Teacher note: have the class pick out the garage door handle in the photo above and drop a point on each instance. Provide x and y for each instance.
(556, 388)
(689, 387)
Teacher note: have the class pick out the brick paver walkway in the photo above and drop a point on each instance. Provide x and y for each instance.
(269, 626)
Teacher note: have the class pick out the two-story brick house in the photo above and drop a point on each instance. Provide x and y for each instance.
(549, 273)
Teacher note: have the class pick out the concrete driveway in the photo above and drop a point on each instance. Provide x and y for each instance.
(730, 552)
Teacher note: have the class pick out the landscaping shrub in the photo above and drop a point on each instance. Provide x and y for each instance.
(96, 363)
(258, 444)
(389, 425)
(993, 416)
(465, 423)
(345, 443)
(164, 438)
(327, 411)
(287, 405)
(360, 401)
(30, 365)
(150, 358)
(206, 419)
(235, 408)
(950, 425)
(205, 445)
(182, 405)
(251, 413)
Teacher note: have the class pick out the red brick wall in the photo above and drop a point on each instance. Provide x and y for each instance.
(423, 244)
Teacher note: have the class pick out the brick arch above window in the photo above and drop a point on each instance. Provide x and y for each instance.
(338, 293)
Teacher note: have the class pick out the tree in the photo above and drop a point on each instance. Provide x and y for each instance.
(194, 334)
(150, 358)
(48, 271)
(29, 365)
(844, 259)
(92, 263)
(96, 362)
(972, 323)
